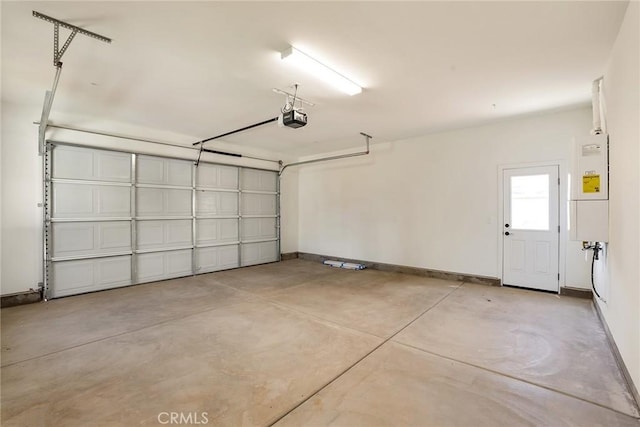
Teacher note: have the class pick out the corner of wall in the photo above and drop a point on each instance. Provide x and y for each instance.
(621, 312)
(289, 211)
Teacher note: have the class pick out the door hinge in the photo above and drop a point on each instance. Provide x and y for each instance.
(558, 181)
(558, 229)
(558, 276)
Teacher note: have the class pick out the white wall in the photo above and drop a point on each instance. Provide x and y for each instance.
(433, 201)
(289, 211)
(622, 266)
(21, 218)
(21, 181)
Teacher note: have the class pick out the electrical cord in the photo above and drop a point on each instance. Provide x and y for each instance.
(596, 248)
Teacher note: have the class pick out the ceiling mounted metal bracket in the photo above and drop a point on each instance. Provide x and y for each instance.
(57, 53)
(57, 57)
(291, 96)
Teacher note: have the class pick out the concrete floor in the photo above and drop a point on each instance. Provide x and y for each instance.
(298, 343)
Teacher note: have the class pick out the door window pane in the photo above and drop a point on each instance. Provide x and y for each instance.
(530, 202)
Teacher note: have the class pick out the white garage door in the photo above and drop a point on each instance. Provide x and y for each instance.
(89, 235)
(163, 219)
(117, 219)
(217, 218)
(258, 223)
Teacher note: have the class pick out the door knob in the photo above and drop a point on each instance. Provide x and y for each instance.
(506, 233)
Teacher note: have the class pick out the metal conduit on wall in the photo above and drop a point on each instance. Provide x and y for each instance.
(337, 157)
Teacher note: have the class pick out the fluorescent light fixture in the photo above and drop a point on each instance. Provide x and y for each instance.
(321, 71)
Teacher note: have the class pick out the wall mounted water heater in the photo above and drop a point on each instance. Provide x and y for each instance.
(589, 206)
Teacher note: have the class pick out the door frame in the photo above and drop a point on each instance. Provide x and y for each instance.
(562, 212)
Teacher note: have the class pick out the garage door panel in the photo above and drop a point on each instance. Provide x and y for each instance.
(179, 173)
(259, 253)
(149, 170)
(150, 267)
(258, 204)
(217, 176)
(178, 202)
(73, 239)
(257, 180)
(90, 164)
(149, 202)
(215, 231)
(163, 234)
(163, 265)
(89, 201)
(74, 277)
(179, 263)
(114, 201)
(258, 228)
(163, 202)
(161, 171)
(216, 203)
(115, 235)
(216, 258)
(91, 238)
(72, 163)
(111, 166)
(72, 200)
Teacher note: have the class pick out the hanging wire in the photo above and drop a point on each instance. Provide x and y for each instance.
(287, 106)
(295, 95)
(290, 104)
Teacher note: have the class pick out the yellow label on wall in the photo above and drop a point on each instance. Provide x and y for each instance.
(591, 183)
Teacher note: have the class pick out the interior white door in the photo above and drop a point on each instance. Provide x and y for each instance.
(531, 230)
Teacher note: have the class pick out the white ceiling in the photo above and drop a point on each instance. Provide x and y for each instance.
(204, 68)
